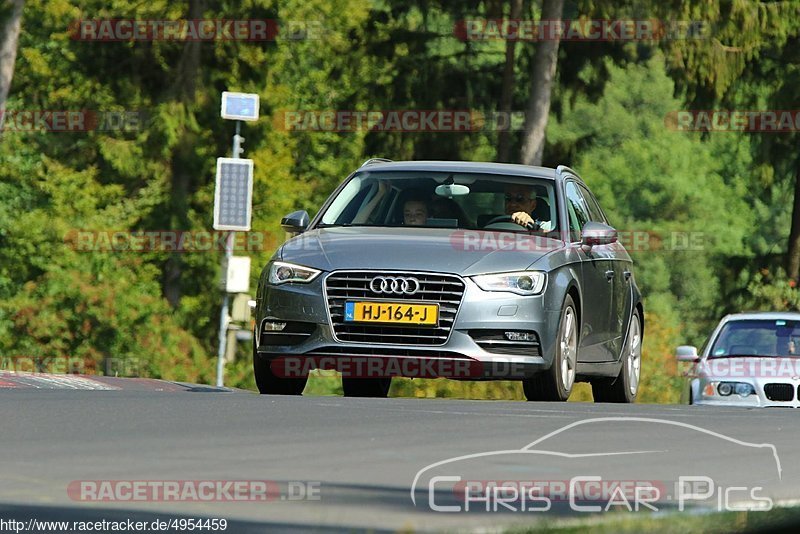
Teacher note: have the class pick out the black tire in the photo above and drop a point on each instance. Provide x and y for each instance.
(269, 384)
(625, 387)
(366, 387)
(553, 384)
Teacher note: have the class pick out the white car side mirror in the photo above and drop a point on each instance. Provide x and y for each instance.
(686, 353)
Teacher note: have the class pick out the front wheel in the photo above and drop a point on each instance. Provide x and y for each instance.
(556, 383)
(625, 387)
(270, 384)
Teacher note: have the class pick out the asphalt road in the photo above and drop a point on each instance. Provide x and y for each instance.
(358, 458)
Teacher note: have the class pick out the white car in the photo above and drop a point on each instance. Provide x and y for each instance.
(750, 360)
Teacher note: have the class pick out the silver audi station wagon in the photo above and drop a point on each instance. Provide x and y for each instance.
(468, 271)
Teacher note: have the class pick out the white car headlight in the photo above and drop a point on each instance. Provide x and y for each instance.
(726, 389)
(281, 272)
(521, 282)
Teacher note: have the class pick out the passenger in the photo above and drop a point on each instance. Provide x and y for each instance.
(415, 210)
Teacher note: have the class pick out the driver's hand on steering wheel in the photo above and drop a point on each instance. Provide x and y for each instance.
(522, 218)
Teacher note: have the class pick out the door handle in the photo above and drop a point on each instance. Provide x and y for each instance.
(609, 275)
(627, 275)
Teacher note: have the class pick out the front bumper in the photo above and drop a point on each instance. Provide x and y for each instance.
(479, 312)
(761, 398)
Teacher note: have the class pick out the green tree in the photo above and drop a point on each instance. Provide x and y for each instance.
(678, 206)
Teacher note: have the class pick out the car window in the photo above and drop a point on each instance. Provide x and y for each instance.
(758, 337)
(576, 210)
(415, 198)
(595, 213)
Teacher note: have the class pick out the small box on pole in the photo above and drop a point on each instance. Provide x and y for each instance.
(236, 274)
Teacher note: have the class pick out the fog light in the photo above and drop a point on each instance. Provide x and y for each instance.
(273, 326)
(520, 336)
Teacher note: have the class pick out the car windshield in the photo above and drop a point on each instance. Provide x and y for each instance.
(442, 200)
(759, 337)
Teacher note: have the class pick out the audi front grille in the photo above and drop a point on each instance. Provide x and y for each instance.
(779, 392)
(442, 289)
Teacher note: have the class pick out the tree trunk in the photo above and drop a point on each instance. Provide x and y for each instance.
(184, 89)
(793, 258)
(9, 39)
(507, 95)
(543, 72)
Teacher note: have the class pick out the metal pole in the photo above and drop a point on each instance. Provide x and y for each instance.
(223, 314)
(223, 318)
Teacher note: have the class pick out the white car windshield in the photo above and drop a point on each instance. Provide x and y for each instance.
(758, 337)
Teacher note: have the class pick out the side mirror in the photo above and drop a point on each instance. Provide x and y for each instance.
(595, 233)
(296, 222)
(686, 353)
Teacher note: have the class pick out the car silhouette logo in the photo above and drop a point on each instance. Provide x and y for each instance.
(398, 285)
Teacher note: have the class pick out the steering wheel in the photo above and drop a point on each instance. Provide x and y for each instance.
(507, 219)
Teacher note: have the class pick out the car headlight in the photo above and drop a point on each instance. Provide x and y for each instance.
(726, 389)
(281, 272)
(521, 282)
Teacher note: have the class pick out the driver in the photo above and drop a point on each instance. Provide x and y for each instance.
(520, 203)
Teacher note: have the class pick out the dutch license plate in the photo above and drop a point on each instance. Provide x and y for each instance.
(391, 313)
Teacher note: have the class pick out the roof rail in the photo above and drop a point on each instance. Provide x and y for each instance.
(561, 168)
(372, 161)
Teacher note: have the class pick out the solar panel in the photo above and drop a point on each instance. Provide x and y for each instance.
(239, 106)
(233, 196)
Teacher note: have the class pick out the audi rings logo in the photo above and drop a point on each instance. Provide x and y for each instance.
(398, 285)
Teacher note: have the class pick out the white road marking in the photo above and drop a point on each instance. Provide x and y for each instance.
(41, 381)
